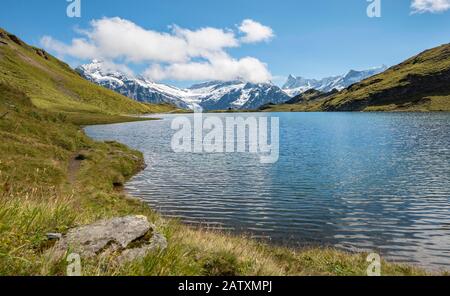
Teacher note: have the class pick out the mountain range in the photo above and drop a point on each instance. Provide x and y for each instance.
(420, 83)
(213, 95)
(298, 85)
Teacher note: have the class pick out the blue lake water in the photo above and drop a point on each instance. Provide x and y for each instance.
(356, 181)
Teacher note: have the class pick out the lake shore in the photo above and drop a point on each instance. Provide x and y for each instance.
(42, 193)
(272, 259)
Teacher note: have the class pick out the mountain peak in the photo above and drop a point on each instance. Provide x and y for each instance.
(93, 66)
(298, 85)
(211, 95)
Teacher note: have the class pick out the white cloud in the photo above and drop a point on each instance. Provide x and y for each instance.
(255, 32)
(202, 42)
(434, 6)
(79, 47)
(112, 67)
(216, 68)
(180, 54)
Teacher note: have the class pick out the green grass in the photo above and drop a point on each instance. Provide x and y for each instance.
(83, 119)
(300, 107)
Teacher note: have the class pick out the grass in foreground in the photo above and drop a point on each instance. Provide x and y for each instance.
(41, 192)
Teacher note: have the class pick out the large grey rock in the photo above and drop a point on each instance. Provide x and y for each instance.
(131, 237)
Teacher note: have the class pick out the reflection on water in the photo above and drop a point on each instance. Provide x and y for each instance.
(378, 182)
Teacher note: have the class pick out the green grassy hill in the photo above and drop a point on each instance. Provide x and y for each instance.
(421, 83)
(52, 85)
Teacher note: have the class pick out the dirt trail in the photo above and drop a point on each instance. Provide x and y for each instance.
(74, 166)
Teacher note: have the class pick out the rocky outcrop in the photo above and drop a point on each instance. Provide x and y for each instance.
(128, 238)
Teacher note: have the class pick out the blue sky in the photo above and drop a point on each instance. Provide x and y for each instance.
(312, 38)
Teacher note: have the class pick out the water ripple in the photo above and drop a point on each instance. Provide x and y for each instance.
(372, 182)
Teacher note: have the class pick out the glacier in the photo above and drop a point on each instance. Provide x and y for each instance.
(212, 95)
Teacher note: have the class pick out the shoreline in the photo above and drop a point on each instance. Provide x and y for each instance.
(264, 242)
(37, 182)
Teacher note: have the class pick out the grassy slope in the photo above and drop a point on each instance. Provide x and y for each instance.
(421, 83)
(54, 86)
(42, 191)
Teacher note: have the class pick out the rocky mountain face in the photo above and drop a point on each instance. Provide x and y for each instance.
(298, 85)
(213, 95)
(137, 88)
(236, 95)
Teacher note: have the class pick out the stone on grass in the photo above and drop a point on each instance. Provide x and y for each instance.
(130, 237)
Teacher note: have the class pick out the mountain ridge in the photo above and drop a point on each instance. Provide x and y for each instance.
(297, 85)
(210, 95)
(420, 84)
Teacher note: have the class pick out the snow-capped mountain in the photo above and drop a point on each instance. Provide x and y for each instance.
(214, 95)
(298, 85)
(237, 95)
(137, 88)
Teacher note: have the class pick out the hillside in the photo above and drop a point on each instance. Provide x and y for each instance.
(52, 85)
(421, 83)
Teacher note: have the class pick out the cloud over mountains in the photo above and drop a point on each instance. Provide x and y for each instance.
(179, 54)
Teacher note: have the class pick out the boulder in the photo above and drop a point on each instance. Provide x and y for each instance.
(130, 237)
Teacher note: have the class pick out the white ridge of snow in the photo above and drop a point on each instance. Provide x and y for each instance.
(213, 95)
(298, 85)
